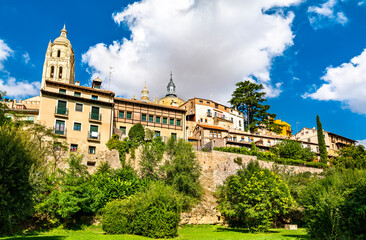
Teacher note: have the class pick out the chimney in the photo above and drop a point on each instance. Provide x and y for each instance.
(77, 83)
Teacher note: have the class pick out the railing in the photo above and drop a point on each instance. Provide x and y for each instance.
(60, 132)
(95, 116)
(62, 111)
(94, 136)
(223, 118)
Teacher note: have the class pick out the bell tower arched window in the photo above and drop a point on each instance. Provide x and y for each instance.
(52, 73)
(59, 53)
(60, 73)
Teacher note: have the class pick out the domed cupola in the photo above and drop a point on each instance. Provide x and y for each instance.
(171, 87)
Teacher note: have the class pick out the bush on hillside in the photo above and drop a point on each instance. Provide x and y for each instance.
(154, 213)
(293, 150)
(137, 133)
(353, 157)
(253, 198)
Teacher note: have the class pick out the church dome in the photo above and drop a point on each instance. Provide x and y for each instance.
(62, 39)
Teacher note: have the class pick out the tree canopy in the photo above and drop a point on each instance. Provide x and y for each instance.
(248, 98)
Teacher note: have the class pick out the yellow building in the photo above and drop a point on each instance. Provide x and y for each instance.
(171, 98)
(286, 128)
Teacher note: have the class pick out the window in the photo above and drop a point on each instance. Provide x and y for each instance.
(91, 150)
(121, 114)
(157, 133)
(78, 107)
(211, 134)
(129, 115)
(58, 53)
(94, 97)
(215, 134)
(216, 105)
(205, 121)
(151, 118)
(91, 163)
(208, 103)
(77, 126)
(61, 107)
(165, 120)
(171, 121)
(52, 71)
(178, 122)
(174, 135)
(60, 127)
(93, 133)
(239, 123)
(309, 140)
(157, 119)
(62, 91)
(201, 101)
(219, 135)
(73, 148)
(30, 118)
(60, 73)
(143, 117)
(232, 119)
(201, 120)
(94, 114)
(123, 129)
(77, 94)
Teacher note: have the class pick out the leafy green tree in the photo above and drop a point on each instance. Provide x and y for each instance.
(253, 198)
(248, 98)
(293, 150)
(151, 155)
(18, 155)
(137, 133)
(182, 170)
(123, 147)
(321, 141)
(353, 157)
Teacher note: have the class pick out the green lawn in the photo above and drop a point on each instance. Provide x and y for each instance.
(210, 232)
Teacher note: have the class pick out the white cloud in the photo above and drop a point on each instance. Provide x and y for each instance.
(5, 52)
(209, 44)
(26, 57)
(326, 14)
(345, 83)
(361, 142)
(19, 89)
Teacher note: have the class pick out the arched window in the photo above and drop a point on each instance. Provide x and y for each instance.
(60, 73)
(52, 71)
(59, 53)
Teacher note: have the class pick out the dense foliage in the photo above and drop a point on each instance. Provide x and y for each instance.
(18, 156)
(293, 150)
(335, 206)
(153, 213)
(137, 133)
(321, 141)
(122, 146)
(248, 98)
(253, 198)
(353, 157)
(151, 155)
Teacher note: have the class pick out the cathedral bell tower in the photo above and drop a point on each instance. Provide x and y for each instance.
(59, 63)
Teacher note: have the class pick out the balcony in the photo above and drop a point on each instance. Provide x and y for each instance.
(95, 117)
(209, 114)
(94, 136)
(219, 118)
(61, 112)
(60, 133)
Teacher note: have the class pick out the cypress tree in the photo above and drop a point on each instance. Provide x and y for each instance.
(321, 141)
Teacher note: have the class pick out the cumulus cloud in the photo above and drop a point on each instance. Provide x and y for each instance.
(26, 57)
(326, 14)
(209, 44)
(5, 52)
(345, 83)
(10, 85)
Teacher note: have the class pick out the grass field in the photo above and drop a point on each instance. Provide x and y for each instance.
(201, 232)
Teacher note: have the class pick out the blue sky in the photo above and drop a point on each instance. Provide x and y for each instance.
(310, 55)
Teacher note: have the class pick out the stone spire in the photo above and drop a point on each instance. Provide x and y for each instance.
(64, 32)
(171, 87)
(145, 94)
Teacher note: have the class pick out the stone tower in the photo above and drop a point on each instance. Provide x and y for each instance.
(145, 94)
(171, 87)
(59, 63)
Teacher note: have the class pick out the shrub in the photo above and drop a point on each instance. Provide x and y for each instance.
(151, 155)
(123, 147)
(153, 213)
(353, 157)
(253, 198)
(335, 205)
(137, 133)
(293, 150)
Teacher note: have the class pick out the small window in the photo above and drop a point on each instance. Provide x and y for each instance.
(178, 122)
(91, 163)
(205, 121)
(208, 103)
(94, 97)
(73, 148)
(157, 119)
(91, 150)
(62, 91)
(201, 101)
(171, 121)
(151, 118)
(211, 133)
(143, 117)
(77, 94)
(129, 115)
(77, 126)
(30, 118)
(78, 107)
(165, 120)
(52, 71)
(58, 53)
(60, 73)
(121, 114)
(157, 133)
(123, 129)
(174, 135)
